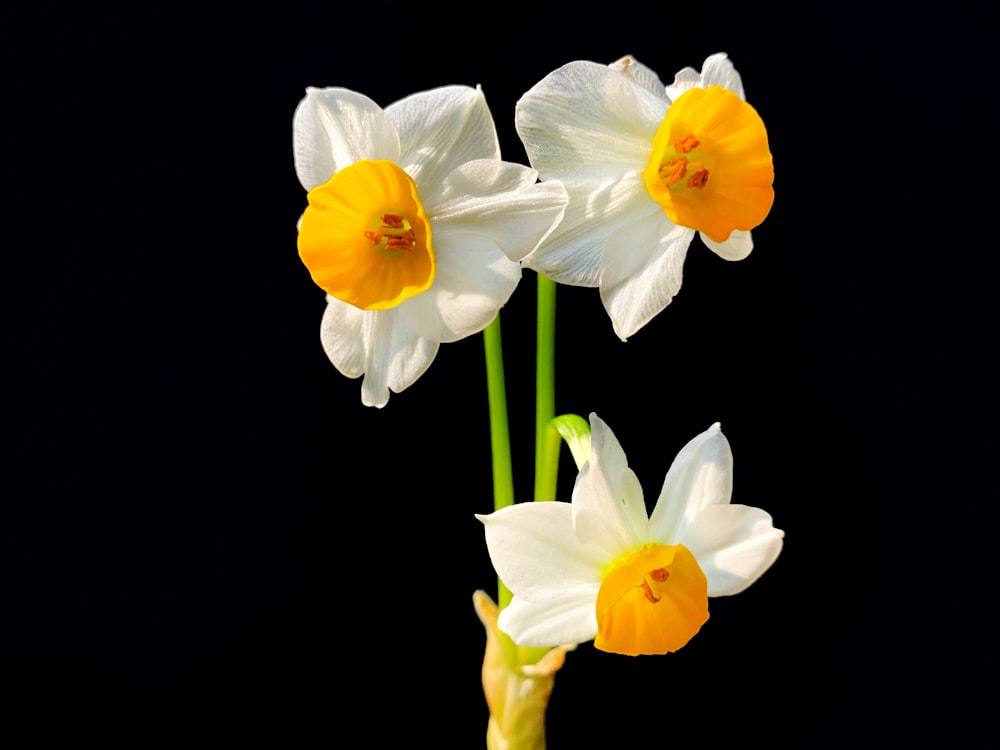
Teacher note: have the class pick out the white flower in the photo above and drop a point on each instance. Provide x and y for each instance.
(600, 568)
(411, 219)
(645, 165)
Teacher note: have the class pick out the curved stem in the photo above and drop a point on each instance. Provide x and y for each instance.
(575, 430)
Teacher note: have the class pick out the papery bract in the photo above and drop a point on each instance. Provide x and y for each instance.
(517, 693)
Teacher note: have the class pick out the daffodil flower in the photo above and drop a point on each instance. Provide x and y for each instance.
(646, 166)
(411, 219)
(600, 568)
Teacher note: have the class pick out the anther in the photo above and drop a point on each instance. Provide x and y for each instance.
(687, 144)
(402, 241)
(698, 179)
(652, 592)
(648, 593)
(396, 234)
(673, 170)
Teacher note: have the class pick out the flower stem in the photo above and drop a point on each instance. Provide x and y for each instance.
(575, 430)
(546, 471)
(503, 474)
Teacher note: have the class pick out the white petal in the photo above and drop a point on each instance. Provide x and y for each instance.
(736, 247)
(687, 78)
(333, 128)
(641, 270)
(397, 356)
(641, 74)
(440, 130)
(588, 121)
(571, 254)
(701, 475)
(502, 201)
(556, 622)
(536, 552)
(377, 343)
(733, 544)
(608, 507)
(474, 279)
(342, 335)
(717, 71)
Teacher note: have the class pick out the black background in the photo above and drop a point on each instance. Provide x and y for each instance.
(210, 531)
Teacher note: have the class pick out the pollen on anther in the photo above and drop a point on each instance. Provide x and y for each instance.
(402, 241)
(673, 170)
(392, 221)
(373, 237)
(687, 144)
(647, 592)
(659, 575)
(698, 179)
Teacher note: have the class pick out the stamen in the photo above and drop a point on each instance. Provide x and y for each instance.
(698, 179)
(404, 241)
(649, 589)
(673, 170)
(687, 144)
(648, 593)
(400, 241)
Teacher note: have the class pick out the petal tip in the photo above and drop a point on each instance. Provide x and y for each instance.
(597, 425)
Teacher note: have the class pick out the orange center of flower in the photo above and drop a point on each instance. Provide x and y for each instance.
(651, 601)
(365, 237)
(711, 167)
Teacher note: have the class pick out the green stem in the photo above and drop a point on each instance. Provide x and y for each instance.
(546, 471)
(503, 474)
(575, 430)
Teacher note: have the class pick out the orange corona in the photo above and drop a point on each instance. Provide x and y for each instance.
(652, 601)
(711, 168)
(365, 237)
